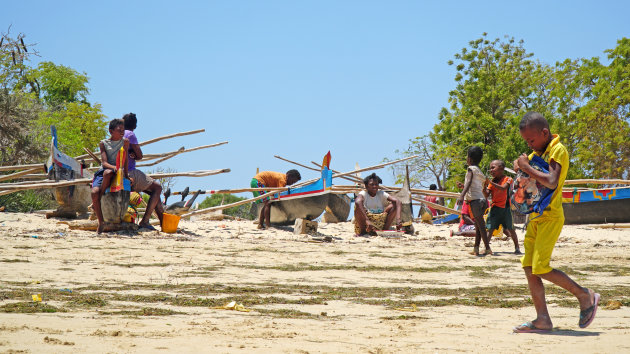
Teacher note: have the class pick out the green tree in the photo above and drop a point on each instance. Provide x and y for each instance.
(63, 91)
(431, 165)
(497, 82)
(594, 101)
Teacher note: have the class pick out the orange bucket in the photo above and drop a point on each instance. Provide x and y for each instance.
(170, 222)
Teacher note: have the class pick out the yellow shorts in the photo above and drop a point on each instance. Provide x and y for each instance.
(540, 239)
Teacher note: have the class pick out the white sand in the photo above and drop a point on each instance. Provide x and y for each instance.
(39, 255)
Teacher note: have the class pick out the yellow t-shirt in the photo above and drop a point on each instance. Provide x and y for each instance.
(272, 179)
(557, 152)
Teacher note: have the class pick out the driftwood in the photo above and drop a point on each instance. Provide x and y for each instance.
(19, 174)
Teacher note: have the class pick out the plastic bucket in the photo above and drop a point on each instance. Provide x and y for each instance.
(170, 222)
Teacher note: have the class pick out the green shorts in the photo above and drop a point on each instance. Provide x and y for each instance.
(256, 184)
(499, 216)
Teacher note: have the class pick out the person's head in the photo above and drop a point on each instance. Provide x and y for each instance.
(117, 129)
(371, 183)
(475, 154)
(433, 187)
(534, 129)
(293, 176)
(496, 168)
(131, 122)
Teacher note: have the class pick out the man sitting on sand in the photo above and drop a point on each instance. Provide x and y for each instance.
(142, 182)
(270, 179)
(375, 209)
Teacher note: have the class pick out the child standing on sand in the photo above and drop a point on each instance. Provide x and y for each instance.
(543, 229)
(500, 212)
(473, 194)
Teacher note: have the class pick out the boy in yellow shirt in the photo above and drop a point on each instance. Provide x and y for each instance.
(543, 229)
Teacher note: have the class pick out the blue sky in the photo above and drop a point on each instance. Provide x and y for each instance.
(293, 78)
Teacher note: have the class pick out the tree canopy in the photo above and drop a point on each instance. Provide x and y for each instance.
(497, 81)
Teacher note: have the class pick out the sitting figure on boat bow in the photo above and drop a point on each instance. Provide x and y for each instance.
(375, 209)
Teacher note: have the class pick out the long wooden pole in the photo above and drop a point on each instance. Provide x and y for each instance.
(92, 155)
(22, 167)
(221, 207)
(19, 174)
(172, 154)
(297, 163)
(151, 141)
(438, 206)
(375, 167)
(239, 190)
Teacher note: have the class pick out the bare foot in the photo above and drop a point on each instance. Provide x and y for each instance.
(261, 227)
(100, 228)
(475, 251)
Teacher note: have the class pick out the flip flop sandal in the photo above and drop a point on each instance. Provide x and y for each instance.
(529, 327)
(589, 313)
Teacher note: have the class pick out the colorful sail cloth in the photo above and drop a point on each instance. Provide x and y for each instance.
(117, 181)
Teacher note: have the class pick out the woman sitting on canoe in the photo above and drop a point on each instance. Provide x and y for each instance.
(375, 209)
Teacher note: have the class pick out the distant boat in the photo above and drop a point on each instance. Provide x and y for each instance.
(304, 202)
(596, 206)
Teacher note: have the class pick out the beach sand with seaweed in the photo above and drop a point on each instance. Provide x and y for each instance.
(152, 292)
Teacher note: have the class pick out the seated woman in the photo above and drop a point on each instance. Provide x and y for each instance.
(375, 209)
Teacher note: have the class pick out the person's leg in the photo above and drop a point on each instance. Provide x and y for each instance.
(96, 205)
(537, 291)
(154, 191)
(268, 214)
(107, 180)
(390, 210)
(261, 217)
(361, 221)
(540, 264)
(512, 234)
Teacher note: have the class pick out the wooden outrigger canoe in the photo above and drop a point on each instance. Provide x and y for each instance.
(306, 201)
(596, 206)
(71, 199)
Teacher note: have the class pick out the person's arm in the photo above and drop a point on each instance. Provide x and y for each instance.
(125, 159)
(104, 161)
(135, 152)
(503, 186)
(486, 191)
(549, 180)
(467, 219)
(469, 176)
(398, 204)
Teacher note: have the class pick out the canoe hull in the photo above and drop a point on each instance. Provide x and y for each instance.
(337, 209)
(598, 206)
(287, 211)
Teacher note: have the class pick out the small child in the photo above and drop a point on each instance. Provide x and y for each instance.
(543, 229)
(473, 194)
(500, 212)
(103, 177)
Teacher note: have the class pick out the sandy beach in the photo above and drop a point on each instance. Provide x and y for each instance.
(156, 292)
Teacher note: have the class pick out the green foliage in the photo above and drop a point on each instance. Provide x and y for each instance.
(594, 100)
(27, 201)
(241, 211)
(586, 102)
(78, 125)
(60, 84)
